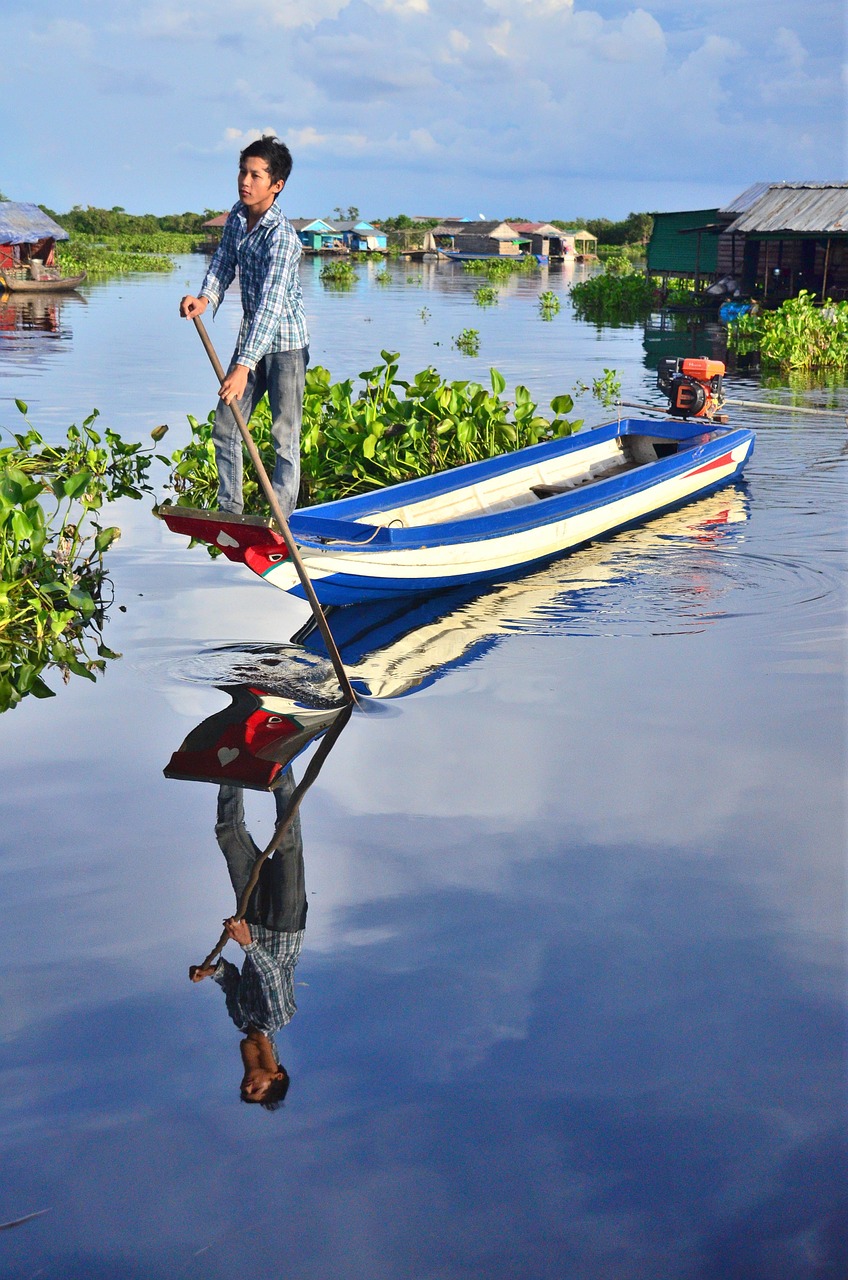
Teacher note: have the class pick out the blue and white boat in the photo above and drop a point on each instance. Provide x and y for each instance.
(486, 520)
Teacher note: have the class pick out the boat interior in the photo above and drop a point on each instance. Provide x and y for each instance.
(526, 486)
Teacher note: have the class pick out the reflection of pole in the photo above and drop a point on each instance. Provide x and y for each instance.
(310, 774)
(276, 510)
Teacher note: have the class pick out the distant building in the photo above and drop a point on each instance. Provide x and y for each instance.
(495, 239)
(361, 236)
(317, 234)
(773, 240)
(27, 236)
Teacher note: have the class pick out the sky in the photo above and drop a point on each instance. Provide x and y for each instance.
(502, 108)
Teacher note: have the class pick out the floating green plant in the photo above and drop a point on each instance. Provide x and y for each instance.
(390, 430)
(617, 297)
(485, 295)
(549, 304)
(340, 274)
(54, 589)
(799, 335)
(468, 342)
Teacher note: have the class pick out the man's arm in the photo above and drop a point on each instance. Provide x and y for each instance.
(222, 269)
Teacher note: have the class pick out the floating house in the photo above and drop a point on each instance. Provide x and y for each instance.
(546, 242)
(317, 235)
(792, 236)
(772, 241)
(479, 239)
(362, 237)
(580, 244)
(27, 238)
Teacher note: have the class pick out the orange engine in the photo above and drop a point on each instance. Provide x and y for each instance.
(694, 386)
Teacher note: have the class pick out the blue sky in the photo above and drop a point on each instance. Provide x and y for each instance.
(534, 108)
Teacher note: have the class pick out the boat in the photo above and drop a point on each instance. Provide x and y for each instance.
(11, 282)
(462, 255)
(486, 520)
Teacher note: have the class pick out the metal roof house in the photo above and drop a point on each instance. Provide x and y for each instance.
(362, 236)
(27, 234)
(482, 238)
(774, 238)
(317, 235)
(794, 236)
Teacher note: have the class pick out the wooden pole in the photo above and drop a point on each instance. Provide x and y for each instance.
(282, 523)
(824, 277)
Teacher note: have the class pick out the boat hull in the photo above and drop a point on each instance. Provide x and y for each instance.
(370, 547)
(10, 284)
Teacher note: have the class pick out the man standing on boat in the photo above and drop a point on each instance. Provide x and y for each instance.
(272, 349)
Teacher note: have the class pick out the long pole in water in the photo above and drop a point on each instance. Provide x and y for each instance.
(282, 523)
(746, 404)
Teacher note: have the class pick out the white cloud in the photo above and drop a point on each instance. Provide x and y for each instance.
(64, 34)
(788, 46)
(498, 39)
(405, 8)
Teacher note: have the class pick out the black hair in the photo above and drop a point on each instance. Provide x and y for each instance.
(275, 154)
(275, 1094)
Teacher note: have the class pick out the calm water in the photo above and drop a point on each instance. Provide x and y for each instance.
(571, 994)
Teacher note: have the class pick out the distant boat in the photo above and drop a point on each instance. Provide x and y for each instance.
(12, 283)
(460, 255)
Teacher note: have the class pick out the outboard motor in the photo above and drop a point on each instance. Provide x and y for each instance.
(694, 386)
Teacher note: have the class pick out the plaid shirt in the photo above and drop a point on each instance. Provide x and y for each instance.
(262, 995)
(267, 260)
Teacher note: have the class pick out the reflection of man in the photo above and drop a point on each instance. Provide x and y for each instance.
(260, 998)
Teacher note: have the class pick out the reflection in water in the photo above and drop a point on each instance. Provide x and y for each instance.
(34, 325)
(394, 647)
(252, 743)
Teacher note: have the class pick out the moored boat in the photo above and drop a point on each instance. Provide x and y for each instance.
(486, 519)
(12, 282)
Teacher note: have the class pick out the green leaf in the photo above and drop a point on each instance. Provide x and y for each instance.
(106, 537)
(81, 601)
(22, 407)
(39, 689)
(21, 525)
(76, 483)
(562, 404)
(498, 381)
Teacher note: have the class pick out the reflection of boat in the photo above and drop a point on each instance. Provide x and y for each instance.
(13, 283)
(398, 646)
(252, 742)
(485, 520)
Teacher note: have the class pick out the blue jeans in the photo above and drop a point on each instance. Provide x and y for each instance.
(279, 899)
(281, 374)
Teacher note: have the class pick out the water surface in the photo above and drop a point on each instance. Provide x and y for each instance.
(571, 995)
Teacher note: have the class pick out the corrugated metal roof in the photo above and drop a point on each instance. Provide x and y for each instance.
(25, 223)
(798, 208)
(742, 202)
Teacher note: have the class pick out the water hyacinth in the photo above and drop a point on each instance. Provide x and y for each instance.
(389, 431)
(799, 335)
(54, 589)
